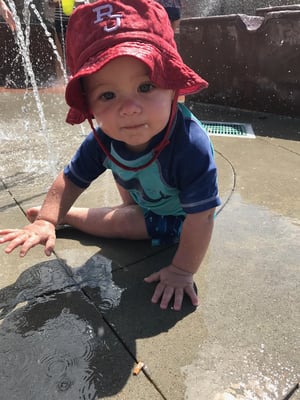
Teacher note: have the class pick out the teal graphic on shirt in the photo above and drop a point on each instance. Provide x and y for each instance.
(146, 186)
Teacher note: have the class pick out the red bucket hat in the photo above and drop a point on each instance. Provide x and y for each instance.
(106, 29)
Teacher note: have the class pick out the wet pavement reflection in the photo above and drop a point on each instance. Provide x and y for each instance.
(49, 331)
(59, 347)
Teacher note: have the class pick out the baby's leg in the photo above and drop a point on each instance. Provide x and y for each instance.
(126, 221)
(32, 212)
(112, 222)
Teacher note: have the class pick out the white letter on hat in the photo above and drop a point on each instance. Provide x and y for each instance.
(106, 11)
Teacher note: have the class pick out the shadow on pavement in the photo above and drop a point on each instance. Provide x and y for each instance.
(72, 333)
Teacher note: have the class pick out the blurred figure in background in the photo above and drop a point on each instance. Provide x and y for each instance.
(60, 20)
(173, 8)
(7, 15)
(44, 11)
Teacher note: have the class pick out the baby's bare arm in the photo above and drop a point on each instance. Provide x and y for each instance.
(59, 199)
(177, 278)
(194, 240)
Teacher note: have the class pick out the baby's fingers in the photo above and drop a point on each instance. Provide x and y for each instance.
(13, 236)
(49, 246)
(30, 242)
(159, 290)
(153, 277)
(167, 296)
(178, 298)
(26, 241)
(8, 234)
(19, 238)
(190, 291)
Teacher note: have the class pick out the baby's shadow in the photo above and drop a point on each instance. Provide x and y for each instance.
(74, 331)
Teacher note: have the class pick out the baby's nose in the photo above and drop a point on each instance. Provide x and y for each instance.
(130, 106)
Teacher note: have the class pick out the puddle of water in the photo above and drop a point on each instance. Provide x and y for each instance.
(50, 276)
(42, 278)
(96, 273)
(48, 361)
(53, 342)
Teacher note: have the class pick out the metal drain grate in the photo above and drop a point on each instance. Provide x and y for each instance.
(233, 129)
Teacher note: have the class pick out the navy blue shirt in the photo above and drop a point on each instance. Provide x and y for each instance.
(182, 180)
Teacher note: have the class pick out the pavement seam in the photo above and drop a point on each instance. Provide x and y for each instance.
(291, 392)
(109, 325)
(123, 343)
(234, 182)
(277, 145)
(13, 197)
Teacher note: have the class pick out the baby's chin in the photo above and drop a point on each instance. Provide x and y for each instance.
(137, 148)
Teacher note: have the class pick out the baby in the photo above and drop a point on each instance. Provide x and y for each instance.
(127, 75)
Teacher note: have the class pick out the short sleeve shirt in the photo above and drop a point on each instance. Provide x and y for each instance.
(182, 180)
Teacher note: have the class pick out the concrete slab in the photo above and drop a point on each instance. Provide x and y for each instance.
(11, 267)
(268, 161)
(163, 340)
(76, 324)
(249, 308)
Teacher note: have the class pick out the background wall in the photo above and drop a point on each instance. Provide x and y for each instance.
(196, 8)
(250, 62)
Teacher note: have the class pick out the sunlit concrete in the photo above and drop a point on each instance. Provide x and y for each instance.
(74, 325)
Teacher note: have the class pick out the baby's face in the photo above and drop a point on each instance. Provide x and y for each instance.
(125, 103)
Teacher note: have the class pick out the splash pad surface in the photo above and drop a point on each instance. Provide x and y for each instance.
(76, 324)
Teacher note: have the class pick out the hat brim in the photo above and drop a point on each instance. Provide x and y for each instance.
(167, 71)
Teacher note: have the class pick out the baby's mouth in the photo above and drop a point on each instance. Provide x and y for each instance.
(137, 126)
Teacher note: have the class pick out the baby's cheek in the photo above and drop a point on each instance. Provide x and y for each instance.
(100, 123)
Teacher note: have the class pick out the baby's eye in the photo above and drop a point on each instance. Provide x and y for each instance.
(107, 96)
(146, 87)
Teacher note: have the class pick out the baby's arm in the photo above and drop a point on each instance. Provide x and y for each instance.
(60, 197)
(7, 15)
(177, 278)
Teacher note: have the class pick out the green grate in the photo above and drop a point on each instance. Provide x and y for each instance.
(233, 129)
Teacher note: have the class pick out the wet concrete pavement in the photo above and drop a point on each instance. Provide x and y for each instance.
(74, 325)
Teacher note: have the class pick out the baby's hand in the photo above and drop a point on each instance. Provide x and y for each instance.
(39, 232)
(172, 282)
